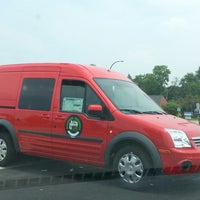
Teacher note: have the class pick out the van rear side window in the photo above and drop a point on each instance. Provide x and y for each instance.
(36, 93)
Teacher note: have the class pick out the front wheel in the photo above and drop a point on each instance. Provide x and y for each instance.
(132, 165)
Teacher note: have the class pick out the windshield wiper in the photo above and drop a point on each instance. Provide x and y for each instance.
(154, 112)
(131, 111)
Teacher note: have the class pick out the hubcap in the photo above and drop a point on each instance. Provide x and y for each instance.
(3, 149)
(130, 168)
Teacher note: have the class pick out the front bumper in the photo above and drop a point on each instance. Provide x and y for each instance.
(180, 161)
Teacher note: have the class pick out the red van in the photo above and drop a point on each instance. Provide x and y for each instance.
(91, 115)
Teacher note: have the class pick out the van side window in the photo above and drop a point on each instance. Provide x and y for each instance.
(76, 96)
(91, 98)
(72, 96)
(36, 93)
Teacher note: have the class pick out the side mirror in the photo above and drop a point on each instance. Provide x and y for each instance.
(95, 108)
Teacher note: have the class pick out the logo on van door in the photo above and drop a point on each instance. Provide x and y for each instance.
(73, 126)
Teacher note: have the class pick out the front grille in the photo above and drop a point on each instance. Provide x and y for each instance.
(196, 140)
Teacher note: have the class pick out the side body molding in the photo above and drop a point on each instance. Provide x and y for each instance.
(138, 138)
(7, 125)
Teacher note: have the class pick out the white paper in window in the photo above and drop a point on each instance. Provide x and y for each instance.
(72, 104)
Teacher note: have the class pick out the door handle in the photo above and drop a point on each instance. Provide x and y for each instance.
(45, 116)
(60, 117)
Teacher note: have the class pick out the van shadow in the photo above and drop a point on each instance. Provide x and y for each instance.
(29, 171)
(173, 185)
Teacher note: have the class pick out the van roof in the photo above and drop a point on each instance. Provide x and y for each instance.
(66, 68)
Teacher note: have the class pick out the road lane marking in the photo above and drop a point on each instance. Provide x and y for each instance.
(16, 166)
(2, 168)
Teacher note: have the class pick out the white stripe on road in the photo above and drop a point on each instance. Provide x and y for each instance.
(16, 166)
(2, 168)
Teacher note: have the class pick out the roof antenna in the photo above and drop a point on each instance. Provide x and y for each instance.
(114, 64)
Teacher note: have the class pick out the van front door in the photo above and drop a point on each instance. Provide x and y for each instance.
(79, 135)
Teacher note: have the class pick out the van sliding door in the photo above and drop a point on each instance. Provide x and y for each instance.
(34, 114)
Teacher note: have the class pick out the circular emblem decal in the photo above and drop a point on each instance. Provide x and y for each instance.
(73, 126)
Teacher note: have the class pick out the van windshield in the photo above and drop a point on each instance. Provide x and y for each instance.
(128, 97)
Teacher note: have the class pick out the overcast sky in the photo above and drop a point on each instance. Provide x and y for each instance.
(142, 33)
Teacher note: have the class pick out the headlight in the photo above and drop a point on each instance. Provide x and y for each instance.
(179, 138)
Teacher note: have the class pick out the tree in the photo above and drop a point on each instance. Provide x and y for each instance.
(171, 107)
(190, 84)
(154, 83)
(173, 91)
(148, 83)
(130, 77)
(188, 103)
(161, 73)
(184, 93)
(198, 73)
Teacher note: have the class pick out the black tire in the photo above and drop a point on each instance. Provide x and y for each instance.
(7, 151)
(132, 165)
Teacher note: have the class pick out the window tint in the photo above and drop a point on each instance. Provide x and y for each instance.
(36, 93)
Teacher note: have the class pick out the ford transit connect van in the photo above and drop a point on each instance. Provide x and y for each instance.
(91, 115)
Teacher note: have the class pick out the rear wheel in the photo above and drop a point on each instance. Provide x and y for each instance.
(7, 151)
(132, 165)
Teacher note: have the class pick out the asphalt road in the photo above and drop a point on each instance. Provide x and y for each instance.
(33, 178)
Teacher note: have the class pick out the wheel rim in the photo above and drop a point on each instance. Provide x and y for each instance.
(130, 168)
(3, 149)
